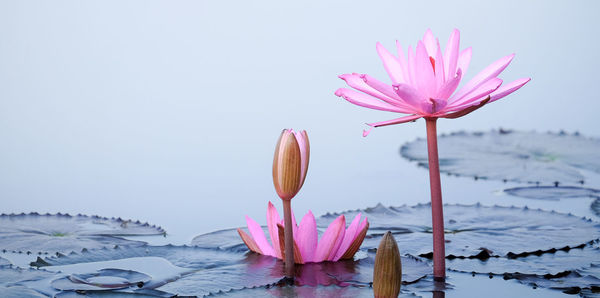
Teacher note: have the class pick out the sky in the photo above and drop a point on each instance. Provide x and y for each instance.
(169, 111)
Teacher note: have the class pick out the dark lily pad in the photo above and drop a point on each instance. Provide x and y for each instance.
(547, 264)
(20, 292)
(306, 291)
(4, 262)
(102, 280)
(512, 156)
(12, 281)
(596, 206)
(260, 271)
(182, 256)
(475, 231)
(228, 239)
(141, 293)
(65, 233)
(553, 192)
(571, 282)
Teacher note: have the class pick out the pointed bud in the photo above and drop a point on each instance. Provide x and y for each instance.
(387, 274)
(290, 163)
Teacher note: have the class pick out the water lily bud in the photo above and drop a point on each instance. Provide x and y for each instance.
(387, 274)
(290, 163)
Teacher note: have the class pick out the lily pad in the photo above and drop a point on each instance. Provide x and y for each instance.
(65, 233)
(553, 192)
(183, 256)
(295, 291)
(141, 293)
(12, 281)
(139, 275)
(102, 280)
(4, 262)
(547, 264)
(476, 231)
(260, 271)
(532, 157)
(596, 206)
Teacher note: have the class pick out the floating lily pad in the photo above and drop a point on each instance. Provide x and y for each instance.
(512, 156)
(183, 256)
(141, 293)
(547, 264)
(102, 280)
(475, 231)
(12, 281)
(259, 271)
(20, 292)
(228, 239)
(295, 291)
(571, 282)
(4, 262)
(596, 206)
(65, 233)
(137, 275)
(553, 192)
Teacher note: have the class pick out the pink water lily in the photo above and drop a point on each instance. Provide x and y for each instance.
(424, 85)
(337, 242)
(424, 82)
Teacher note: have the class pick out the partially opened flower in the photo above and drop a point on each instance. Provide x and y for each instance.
(424, 82)
(423, 86)
(290, 163)
(337, 242)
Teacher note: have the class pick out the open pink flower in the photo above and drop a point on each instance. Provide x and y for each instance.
(424, 82)
(336, 243)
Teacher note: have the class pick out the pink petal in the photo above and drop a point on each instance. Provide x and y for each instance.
(433, 105)
(464, 59)
(359, 82)
(429, 41)
(302, 140)
(451, 54)
(492, 71)
(363, 224)
(360, 236)
(382, 87)
(409, 94)
(439, 68)
(308, 237)
(349, 236)
(391, 64)
(395, 121)
(476, 96)
(363, 100)
(467, 110)
(425, 79)
(272, 220)
(403, 63)
(447, 88)
(259, 237)
(330, 238)
(411, 66)
(508, 88)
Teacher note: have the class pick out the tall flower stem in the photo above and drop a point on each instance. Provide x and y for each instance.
(289, 238)
(437, 211)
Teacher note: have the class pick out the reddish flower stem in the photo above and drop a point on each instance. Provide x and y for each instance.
(289, 238)
(437, 211)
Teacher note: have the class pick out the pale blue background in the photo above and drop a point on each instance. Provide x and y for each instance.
(169, 111)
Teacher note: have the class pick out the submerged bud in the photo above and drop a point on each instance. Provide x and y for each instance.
(290, 163)
(387, 274)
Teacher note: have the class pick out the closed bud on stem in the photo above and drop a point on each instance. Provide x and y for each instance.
(387, 274)
(290, 163)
